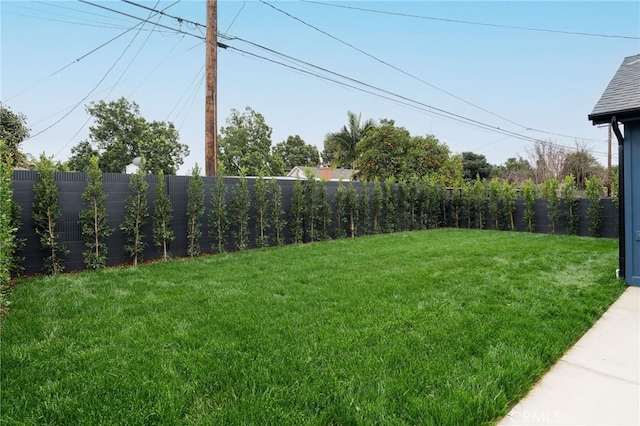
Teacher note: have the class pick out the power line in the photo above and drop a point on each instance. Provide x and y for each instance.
(484, 24)
(431, 109)
(368, 88)
(94, 87)
(526, 128)
(424, 106)
(388, 94)
(392, 66)
(177, 18)
(142, 19)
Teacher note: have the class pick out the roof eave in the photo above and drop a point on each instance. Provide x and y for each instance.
(621, 116)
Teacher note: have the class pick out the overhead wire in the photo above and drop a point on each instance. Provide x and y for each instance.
(484, 24)
(432, 108)
(442, 112)
(80, 58)
(365, 87)
(151, 15)
(408, 74)
(94, 87)
(526, 128)
(135, 56)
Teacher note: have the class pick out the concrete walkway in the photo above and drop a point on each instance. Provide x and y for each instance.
(597, 382)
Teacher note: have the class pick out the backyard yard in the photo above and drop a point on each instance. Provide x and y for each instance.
(439, 327)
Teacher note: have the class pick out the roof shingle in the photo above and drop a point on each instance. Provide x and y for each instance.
(622, 96)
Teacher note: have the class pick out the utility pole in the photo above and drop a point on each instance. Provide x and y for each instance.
(211, 98)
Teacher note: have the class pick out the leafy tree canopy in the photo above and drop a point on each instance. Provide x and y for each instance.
(13, 131)
(341, 148)
(120, 134)
(388, 151)
(582, 165)
(295, 152)
(474, 165)
(514, 170)
(245, 143)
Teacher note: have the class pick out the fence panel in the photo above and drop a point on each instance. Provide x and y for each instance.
(116, 186)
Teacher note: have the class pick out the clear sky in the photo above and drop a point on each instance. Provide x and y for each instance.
(420, 59)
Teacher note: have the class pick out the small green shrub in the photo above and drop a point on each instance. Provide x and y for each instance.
(324, 211)
(218, 218)
(570, 201)
(311, 208)
(364, 210)
(163, 235)
(93, 219)
(7, 228)
(339, 201)
(136, 214)
(509, 204)
(376, 207)
(46, 211)
(550, 192)
(495, 201)
(195, 210)
(261, 203)
(276, 223)
(594, 211)
(351, 209)
(389, 206)
(529, 194)
(479, 194)
(240, 205)
(296, 213)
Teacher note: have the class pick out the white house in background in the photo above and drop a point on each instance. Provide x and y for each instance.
(134, 167)
(323, 173)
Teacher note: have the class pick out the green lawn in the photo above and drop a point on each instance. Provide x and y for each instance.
(443, 327)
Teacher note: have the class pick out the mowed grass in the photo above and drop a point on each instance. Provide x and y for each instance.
(443, 327)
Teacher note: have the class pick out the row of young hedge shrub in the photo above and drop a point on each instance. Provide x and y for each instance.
(239, 216)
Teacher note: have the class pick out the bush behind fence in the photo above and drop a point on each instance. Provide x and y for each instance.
(407, 207)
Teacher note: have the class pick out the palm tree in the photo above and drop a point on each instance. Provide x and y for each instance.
(343, 143)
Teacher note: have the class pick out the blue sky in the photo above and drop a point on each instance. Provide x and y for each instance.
(538, 84)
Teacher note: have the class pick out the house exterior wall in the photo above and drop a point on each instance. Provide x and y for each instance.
(632, 201)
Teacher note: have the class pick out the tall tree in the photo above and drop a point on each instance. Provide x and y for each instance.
(344, 144)
(13, 131)
(120, 134)
(295, 152)
(81, 155)
(514, 170)
(547, 160)
(245, 143)
(582, 165)
(474, 166)
(383, 151)
(388, 151)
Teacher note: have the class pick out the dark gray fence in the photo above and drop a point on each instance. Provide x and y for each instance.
(116, 187)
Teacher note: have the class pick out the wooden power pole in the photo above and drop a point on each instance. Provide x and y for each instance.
(211, 98)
